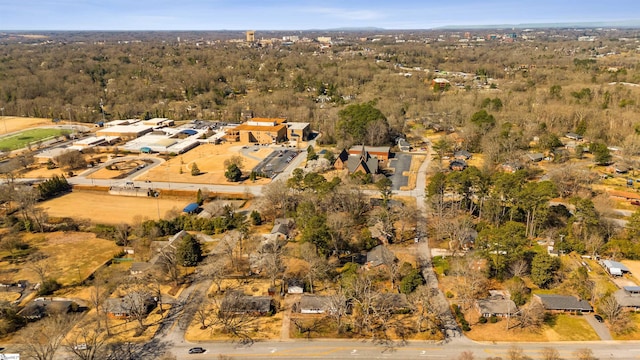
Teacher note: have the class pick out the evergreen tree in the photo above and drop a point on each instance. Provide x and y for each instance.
(543, 269)
(195, 171)
(189, 251)
(233, 173)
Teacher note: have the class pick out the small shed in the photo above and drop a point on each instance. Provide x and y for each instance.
(295, 286)
(191, 208)
(145, 150)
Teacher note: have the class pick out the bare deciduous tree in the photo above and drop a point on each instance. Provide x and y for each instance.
(89, 343)
(237, 324)
(550, 354)
(42, 339)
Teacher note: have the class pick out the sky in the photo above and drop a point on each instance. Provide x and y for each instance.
(300, 14)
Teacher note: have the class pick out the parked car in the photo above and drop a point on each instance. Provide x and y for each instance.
(598, 318)
(197, 350)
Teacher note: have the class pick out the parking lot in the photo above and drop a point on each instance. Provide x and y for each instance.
(275, 162)
(400, 163)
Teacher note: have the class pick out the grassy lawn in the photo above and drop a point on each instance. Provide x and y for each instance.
(632, 332)
(20, 140)
(560, 327)
(563, 327)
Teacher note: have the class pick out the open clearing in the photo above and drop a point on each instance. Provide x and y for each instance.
(11, 124)
(110, 209)
(561, 327)
(21, 139)
(70, 256)
(210, 160)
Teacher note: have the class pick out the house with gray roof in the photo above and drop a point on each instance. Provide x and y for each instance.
(247, 304)
(563, 303)
(615, 268)
(314, 304)
(379, 255)
(496, 305)
(628, 297)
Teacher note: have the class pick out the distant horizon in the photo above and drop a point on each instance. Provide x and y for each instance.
(285, 15)
(626, 24)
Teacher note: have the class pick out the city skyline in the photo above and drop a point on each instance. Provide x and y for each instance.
(113, 15)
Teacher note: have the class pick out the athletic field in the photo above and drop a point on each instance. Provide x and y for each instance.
(23, 138)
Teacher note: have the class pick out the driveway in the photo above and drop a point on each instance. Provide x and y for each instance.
(400, 163)
(601, 329)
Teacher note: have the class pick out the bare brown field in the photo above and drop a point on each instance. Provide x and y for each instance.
(110, 209)
(70, 256)
(16, 123)
(118, 169)
(210, 160)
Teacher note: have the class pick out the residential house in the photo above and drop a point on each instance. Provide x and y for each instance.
(628, 297)
(462, 155)
(125, 307)
(396, 303)
(140, 268)
(247, 304)
(280, 231)
(314, 304)
(574, 136)
(535, 157)
(457, 165)
(41, 307)
(511, 166)
(379, 255)
(563, 303)
(440, 84)
(496, 305)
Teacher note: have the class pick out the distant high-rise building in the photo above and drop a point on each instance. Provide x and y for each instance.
(251, 36)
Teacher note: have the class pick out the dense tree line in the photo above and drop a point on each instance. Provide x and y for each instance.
(559, 84)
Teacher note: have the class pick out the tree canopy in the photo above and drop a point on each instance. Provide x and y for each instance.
(363, 123)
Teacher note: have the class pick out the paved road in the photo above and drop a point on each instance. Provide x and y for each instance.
(350, 349)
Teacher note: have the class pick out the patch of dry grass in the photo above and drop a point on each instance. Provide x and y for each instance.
(110, 209)
(70, 256)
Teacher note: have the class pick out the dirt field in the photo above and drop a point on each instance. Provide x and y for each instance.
(210, 160)
(75, 255)
(110, 209)
(117, 170)
(14, 123)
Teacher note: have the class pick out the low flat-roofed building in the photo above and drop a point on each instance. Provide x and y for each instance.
(50, 154)
(158, 122)
(381, 152)
(125, 131)
(260, 134)
(298, 131)
(121, 122)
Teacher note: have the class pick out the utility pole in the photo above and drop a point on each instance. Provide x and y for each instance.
(4, 120)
